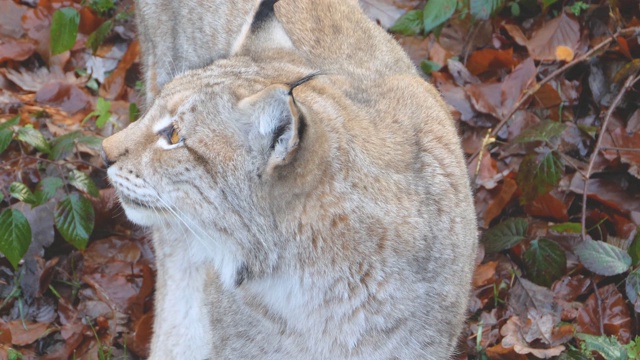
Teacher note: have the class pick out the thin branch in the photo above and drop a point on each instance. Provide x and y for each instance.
(613, 148)
(627, 85)
(599, 301)
(560, 70)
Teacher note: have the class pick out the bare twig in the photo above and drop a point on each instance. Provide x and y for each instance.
(560, 70)
(627, 85)
(613, 148)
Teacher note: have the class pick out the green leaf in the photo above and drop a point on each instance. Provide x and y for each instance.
(547, 3)
(15, 235)
(47, 189)
(578, 7)
(608, 347)
(437, 12)
(539, 174)
(102, 6)
(1, 196)
(64, 29)
(545, 262)
(83, 183)
(428, 66)
(34, 138)
(91, 141)
(102, 112)
(74, 219)
(21, 192)
(408, 24)
(134, 112)
(97, 37)
(602, 258)
(542, 131)
(483, 9)
(11, 122)
(568, 227)
(634, 249)
(632, 287)
(6, 135)
(505, 235)
(62, 146)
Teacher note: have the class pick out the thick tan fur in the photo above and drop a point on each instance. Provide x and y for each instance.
(333, 220)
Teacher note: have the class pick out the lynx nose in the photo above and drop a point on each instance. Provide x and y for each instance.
(108, 162)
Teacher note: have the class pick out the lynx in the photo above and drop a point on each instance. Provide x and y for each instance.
(306, 190)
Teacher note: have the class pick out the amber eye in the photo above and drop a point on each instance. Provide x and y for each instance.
(174, 137)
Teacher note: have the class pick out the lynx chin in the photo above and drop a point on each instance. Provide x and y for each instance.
(304, 186)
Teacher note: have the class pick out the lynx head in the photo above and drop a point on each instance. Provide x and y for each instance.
(211, 155)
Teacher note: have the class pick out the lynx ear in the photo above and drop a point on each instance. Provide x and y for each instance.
(265, 32)
(275, 125)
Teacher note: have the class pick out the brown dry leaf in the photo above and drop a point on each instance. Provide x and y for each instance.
(516, 33)
(417, 47)
(490, 59)
(63, 95)
(499, 352)
(562, 31)
(498, 99)
(513, 339)
(630, 142)
(114, 85)
(10, 23)
(616, 318)
(21, 336)
(485, 274)
(547, 96)
(488, 175)
(549, 205)
(5, 333)
(17, 50)
(140, 340)
(454, 96)
(612, 192)
(506, 190)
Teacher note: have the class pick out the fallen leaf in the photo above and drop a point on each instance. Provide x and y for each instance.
(17, 50)
(504, 196)
(513, 339)
(21, 336)
(485, 274)
(562, 31)
(616, 319)
(67, 97)
(490, 59)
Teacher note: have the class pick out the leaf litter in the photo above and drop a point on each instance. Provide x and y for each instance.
(529, 88)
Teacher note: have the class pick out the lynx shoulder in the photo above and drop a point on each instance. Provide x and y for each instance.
(307, 195)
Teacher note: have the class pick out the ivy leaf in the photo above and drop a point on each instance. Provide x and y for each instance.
(409, 23)
(437, 12)
(545, 262)
(47, 189)
(21, 192)
(483, 9)
(505, 235)
(64, 29)
(542, 131)
(97, 37)
(602, 258)
(62, 146)
(15, 235)
(83, 183)
(34, 138)
(74, 219)
(539, 174)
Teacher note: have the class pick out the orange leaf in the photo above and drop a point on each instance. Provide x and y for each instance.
(490, 59)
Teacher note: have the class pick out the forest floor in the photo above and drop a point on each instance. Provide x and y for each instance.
(546, 100)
